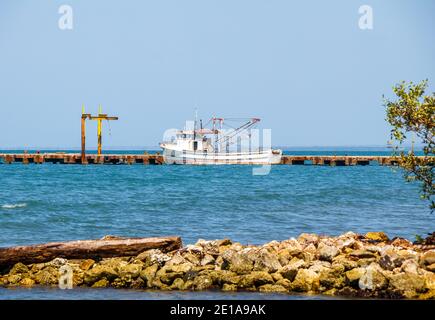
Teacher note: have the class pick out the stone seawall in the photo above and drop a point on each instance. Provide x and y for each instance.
(352, 265)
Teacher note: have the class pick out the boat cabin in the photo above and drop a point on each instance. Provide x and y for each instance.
(192, 141)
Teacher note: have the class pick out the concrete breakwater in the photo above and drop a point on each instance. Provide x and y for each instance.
(353, 265)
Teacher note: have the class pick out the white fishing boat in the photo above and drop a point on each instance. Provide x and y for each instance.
(208, 146)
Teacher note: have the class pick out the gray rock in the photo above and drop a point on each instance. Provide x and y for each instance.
(238, 262)
(327, 252)
(428, 257)
(267, 262)
(390, 260)
(373, 278)
(289, 271)
(208, 259)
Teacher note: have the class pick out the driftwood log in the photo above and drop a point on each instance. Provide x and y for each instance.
(86, 249)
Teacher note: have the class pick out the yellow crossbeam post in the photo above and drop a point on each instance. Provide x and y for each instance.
(100, 117)
(99, 129)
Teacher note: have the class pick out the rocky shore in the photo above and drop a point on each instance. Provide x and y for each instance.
(352, 265)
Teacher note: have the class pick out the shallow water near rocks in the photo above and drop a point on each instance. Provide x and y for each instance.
(131, 294)
(43, 203)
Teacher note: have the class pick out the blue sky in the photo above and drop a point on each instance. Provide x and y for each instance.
(304, 67)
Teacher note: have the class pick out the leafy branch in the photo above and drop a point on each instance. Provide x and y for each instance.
(413, 112)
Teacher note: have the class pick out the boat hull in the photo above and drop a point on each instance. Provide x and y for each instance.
(204, 158)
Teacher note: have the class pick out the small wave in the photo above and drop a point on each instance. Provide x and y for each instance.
(13, 206)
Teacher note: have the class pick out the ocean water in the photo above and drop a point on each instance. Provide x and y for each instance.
(41, 203)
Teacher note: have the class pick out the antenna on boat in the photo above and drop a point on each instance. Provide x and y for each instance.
(216, 135)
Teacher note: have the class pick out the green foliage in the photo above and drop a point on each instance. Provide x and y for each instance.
(418, 239)
(414, 112)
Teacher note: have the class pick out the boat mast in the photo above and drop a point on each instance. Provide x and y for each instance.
(216, 135)
(194, 124)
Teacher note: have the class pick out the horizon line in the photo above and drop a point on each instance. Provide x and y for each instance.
(153, 147)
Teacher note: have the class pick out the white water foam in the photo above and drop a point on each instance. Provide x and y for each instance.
(13, 206)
